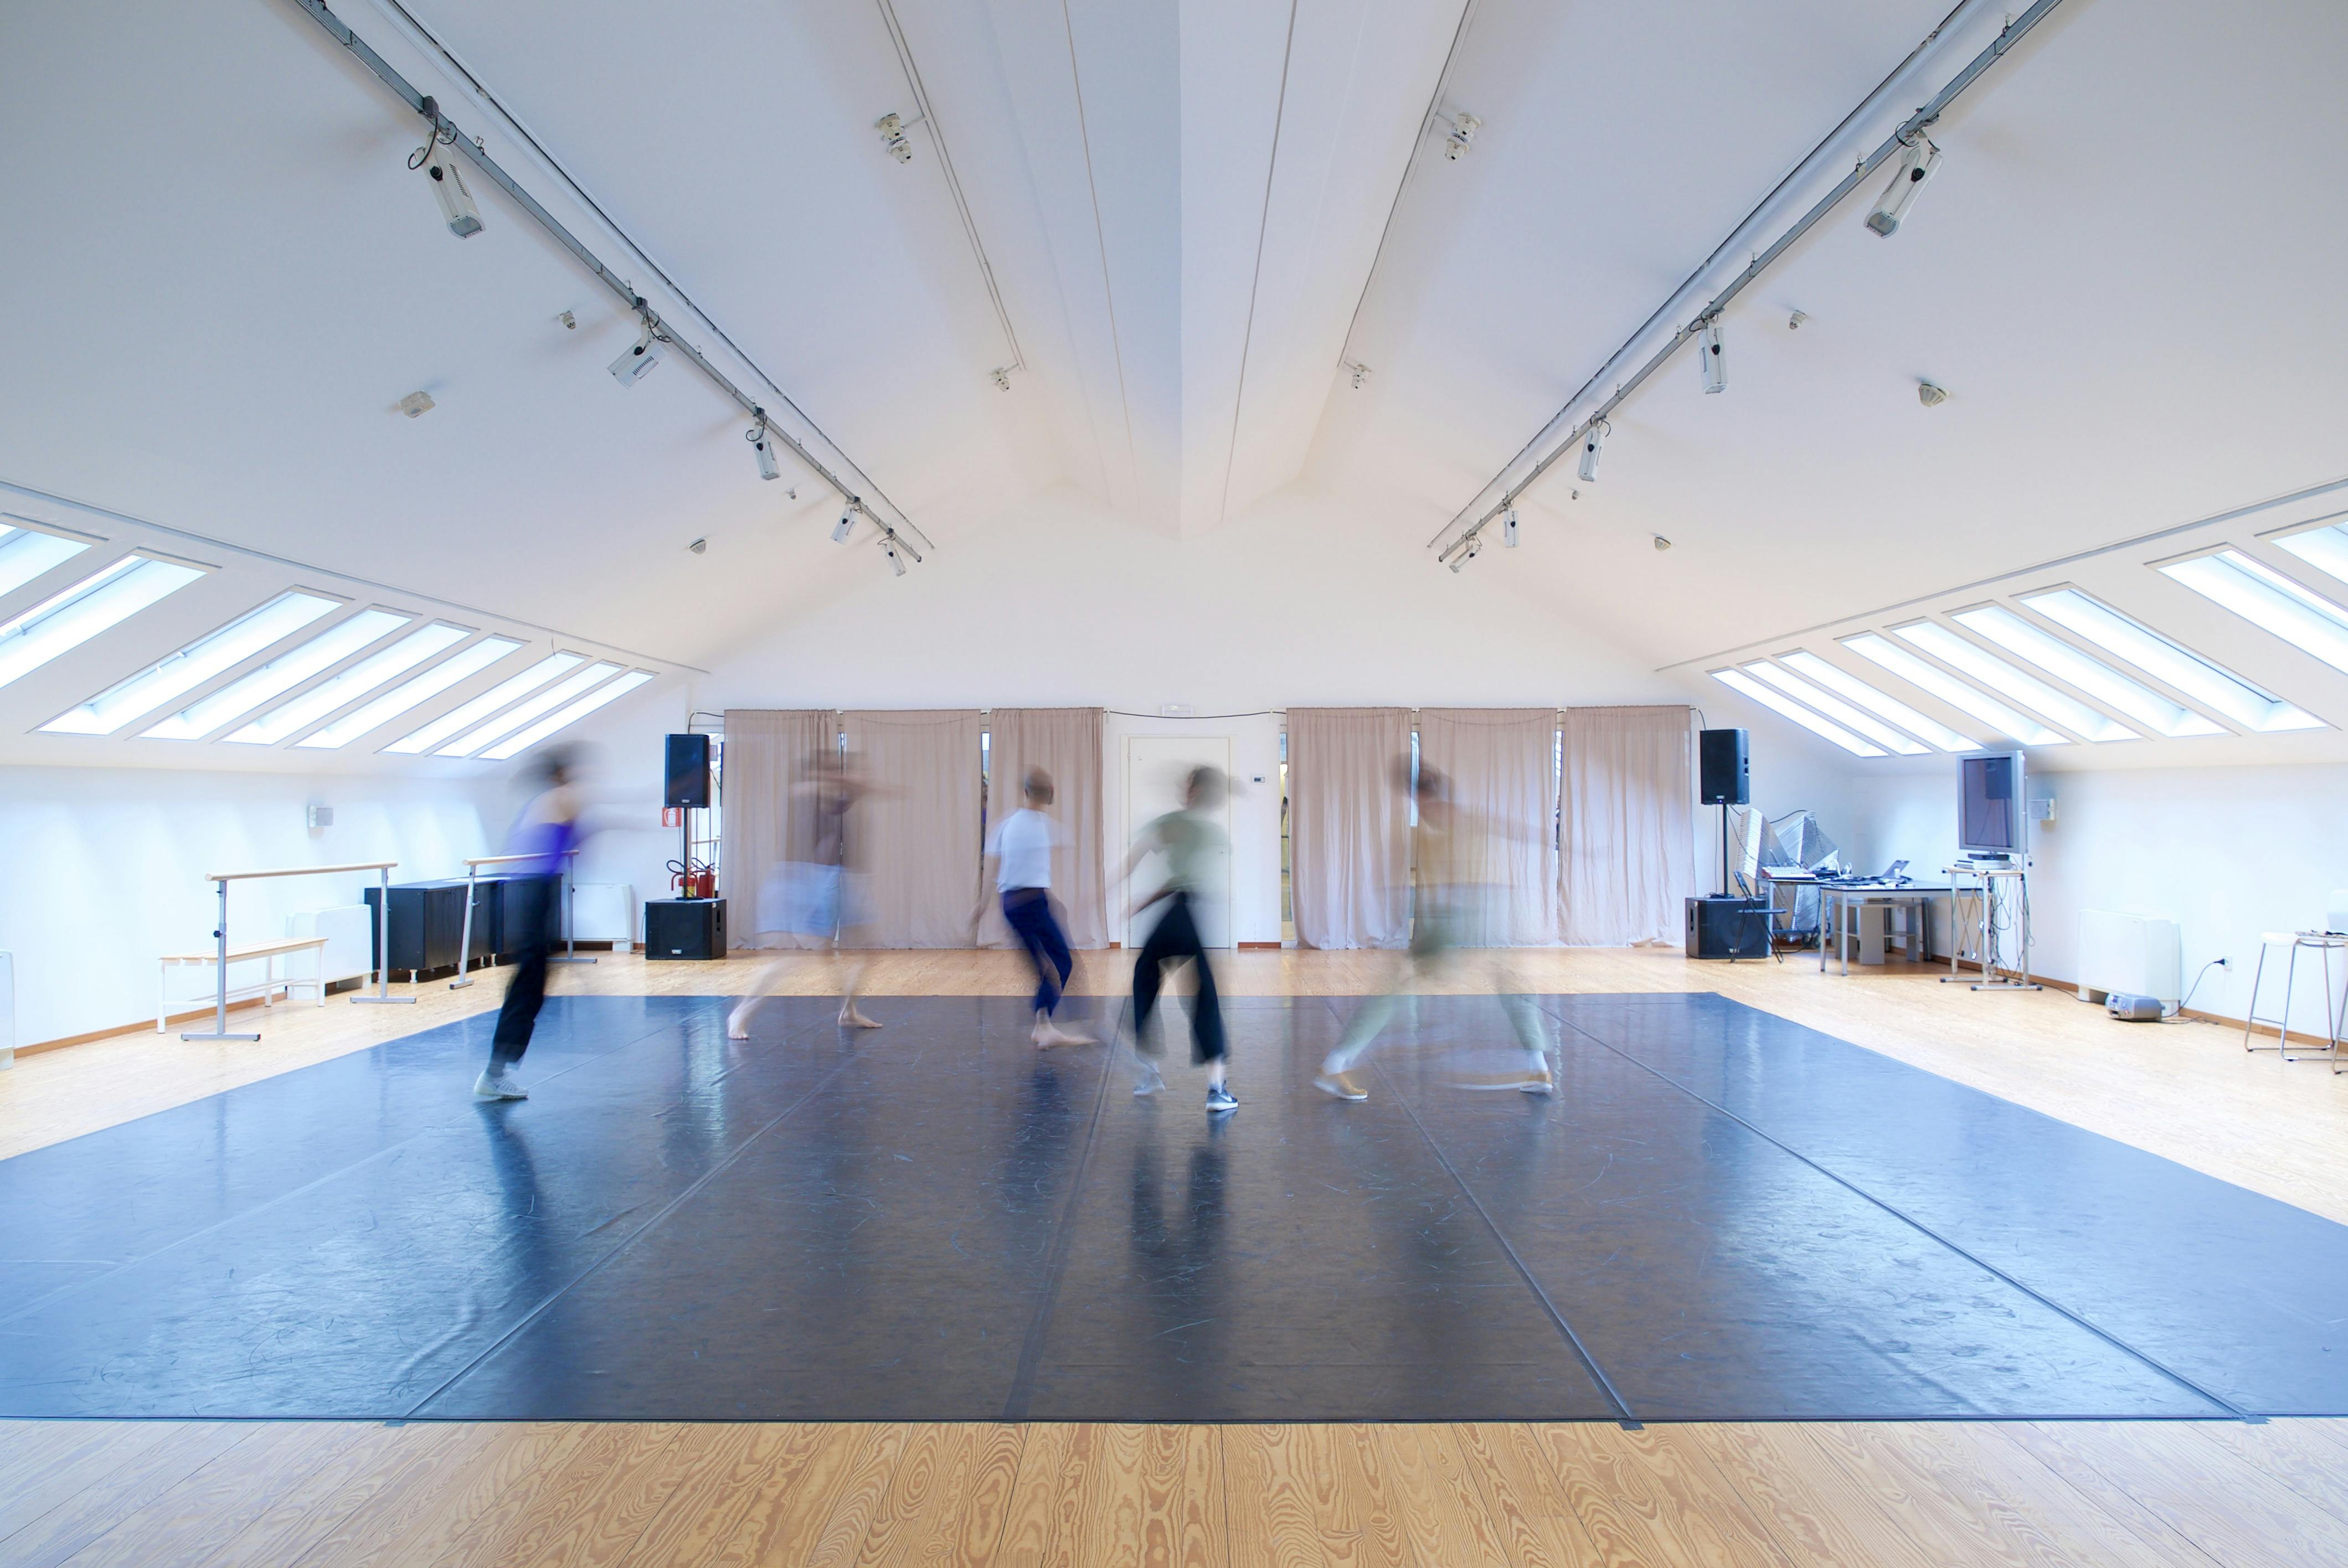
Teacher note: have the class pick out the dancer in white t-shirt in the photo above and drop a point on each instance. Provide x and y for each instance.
(1021, 845)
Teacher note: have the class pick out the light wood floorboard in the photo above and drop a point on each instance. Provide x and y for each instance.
(331, 1495)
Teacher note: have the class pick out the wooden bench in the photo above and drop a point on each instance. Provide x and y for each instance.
(265, 988)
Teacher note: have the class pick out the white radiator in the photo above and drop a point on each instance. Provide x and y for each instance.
(2139, 954)
(604, 912)
(349, 930)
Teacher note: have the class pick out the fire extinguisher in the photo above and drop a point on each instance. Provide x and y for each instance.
(693, 878)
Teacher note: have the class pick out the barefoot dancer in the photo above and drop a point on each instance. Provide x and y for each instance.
(1022, 849)
(817, 893)
(1455, 918)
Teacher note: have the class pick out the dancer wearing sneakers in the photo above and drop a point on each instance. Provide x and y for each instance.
(547, 829)
(1195, 848)
(1455, 918)
(817, 892)
(1022, 849)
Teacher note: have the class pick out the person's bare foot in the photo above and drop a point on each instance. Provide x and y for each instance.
(737, 1025)
(852, 1017)
(1048, 1035)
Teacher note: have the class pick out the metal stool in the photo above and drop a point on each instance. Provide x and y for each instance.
(2323, 942)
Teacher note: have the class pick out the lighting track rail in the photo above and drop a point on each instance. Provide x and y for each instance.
(1453, 539)
(900, 533)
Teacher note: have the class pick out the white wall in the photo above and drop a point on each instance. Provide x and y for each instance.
(106, 866)
(2228, 853)
(1301, 602)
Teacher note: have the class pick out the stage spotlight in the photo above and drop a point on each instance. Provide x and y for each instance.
(1710, 360)
(638, 362)
(846, 525)
(1591, 439)
(892, 128)
(1508, 530)
(1916, 166)
(439, 166)
(896, 561)
(1475, 544)
(764, 445)
(1462, 136)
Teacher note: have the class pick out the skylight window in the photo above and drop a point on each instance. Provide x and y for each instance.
(374, 671)
(1965, 698)
(66, 620)
(522, 714)
(414, 693)
(570, 715)
(2264, 596)
(2012, 684)
(2099, 679)
(470, 714)
(2326, 548)
(26, 553)
(279, 676)
(2253, 707)
(1881, 703)
(1834, 708)
(191, 666)
(1738, 680)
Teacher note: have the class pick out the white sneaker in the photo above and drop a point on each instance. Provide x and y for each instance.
(1152, 1081)
(497, 1086)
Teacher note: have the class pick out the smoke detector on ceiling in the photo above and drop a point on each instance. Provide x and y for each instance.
(1930, 396)
(1662, 543)
(415, 405)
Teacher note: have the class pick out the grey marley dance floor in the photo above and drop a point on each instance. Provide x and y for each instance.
(1721, 1216)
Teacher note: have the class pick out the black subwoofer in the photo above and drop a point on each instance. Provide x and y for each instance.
(1728, 927)
(685, 927)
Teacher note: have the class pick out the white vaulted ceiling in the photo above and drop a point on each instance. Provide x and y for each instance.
(1173, 225)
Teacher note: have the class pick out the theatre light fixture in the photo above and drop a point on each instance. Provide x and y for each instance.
(1917, 162)
(1709, 358)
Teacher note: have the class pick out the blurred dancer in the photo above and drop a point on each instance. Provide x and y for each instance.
(1022, 847)
(1194, 846)
(547, 829)
(1455, 917)
(817, 892)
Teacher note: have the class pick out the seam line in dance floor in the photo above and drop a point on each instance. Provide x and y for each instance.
(121, 1265)
(2179, 1379)
(1623, 1411)
(1063, 1235)
(678, 1202)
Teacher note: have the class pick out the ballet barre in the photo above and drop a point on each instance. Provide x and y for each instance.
(382, 868)
(472, 881)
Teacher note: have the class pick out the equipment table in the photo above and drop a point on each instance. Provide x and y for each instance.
(1835, 899)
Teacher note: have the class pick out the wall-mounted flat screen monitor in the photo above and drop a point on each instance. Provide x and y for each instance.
(1989, 803)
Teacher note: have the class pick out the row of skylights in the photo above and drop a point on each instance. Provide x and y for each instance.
(300, 688)
(2011, 702)
(413, 694)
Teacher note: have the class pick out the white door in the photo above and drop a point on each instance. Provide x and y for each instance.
(1155, 770)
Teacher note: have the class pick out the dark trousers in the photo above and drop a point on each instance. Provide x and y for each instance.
(1175, 941)
(533, 917)
(1029, 911)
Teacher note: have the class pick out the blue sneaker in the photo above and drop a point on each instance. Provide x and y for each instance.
(1219, 1098)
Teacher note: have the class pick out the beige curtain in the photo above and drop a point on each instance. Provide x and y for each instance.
(767, 751)
(1503, 764)
(1067, 743)
(915, 838)
(1629, 825)
(1349, 826)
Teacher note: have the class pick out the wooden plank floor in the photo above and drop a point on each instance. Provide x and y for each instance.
(328, 1494)
(1884, 1495)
